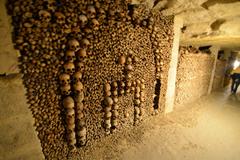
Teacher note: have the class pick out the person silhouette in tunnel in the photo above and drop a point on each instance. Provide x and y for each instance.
(235, 75)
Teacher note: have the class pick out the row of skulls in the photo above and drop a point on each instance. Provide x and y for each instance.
(70, 80)
(113, 90)
(83, 20)
(111, 107)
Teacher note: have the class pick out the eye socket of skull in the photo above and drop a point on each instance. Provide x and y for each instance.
(70, 58)
(70, 115)
(68, 70)
(77, 92)
(63, 82)
(66, 93)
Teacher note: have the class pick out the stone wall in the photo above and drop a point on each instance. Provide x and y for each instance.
(193, 75)
(219, 74)
(8, 55)
(18, 139)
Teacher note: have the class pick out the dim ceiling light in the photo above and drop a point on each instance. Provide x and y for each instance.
(236, 64)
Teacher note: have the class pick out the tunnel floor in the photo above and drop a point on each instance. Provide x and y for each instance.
(207, 129)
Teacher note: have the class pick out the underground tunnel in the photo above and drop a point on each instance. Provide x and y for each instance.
(119, 80)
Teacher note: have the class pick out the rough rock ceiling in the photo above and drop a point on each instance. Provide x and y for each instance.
(206, 22)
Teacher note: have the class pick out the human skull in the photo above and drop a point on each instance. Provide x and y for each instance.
(95, 24)
(129, 60)
(108, 121)
(82, 132)
(122, 84)
(71, 135)
(60, 18)
(108, 101)
(70, 120)
(129, 67)
(80, 66)
(77, 76)
(45, 16)
(137, 110)
(82, 141)
(115, 107)
(69, 68)
(83, 20)
(137, 102)
(137, 95)
(115, 85)
(66, 90)
(81, 123)
(78, 87)
(79, 97)
(142, 86)
(122, 60)
(68, 103)
(115, 113)
(72, 142)
(51, 5)
(91, 11)
(80, 116)
(82, 53)
(138, 82)
(64, 79)
(108, 115)
(138, 89)
(114, 122)
(79, 106)
(73, 45)
(107, 87)
(107, 109)
(85, 43)
(70, 113)
(70, 56)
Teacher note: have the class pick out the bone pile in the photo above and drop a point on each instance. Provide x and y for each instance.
(69, 51)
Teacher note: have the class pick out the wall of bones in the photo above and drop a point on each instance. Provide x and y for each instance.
(219, 76)
(193, 75)
(90, 68)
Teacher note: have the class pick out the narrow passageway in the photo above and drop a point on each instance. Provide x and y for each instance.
(210, 130)
(119, 80)
(204, 130)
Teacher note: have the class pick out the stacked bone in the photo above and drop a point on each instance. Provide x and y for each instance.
(79, 94)
(74, 73)
(115, 107)
(108, 107)
(142, 98)
(41, 30)
(138, 99)
(159, 67)
(162, 37)
(128, 72)
(68, 104)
